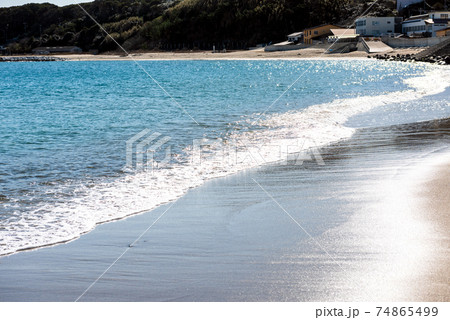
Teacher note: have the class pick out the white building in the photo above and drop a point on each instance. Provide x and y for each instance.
(426, 24)
(418, 27)
(440, 15)
(295, 37)
(342, 35)
(377, 26)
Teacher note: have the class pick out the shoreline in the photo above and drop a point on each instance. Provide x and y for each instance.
(205, 246)
(258, 54)
(139, 212)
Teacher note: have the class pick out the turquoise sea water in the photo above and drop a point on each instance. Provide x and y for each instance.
(64, 127)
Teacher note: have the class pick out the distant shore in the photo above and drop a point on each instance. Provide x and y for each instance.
(257, 54)
(309, 53)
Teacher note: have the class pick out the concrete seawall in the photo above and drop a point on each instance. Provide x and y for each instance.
(287, 47)
(413, 42)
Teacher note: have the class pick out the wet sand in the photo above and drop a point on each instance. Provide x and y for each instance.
(229, 241)
(435, 194)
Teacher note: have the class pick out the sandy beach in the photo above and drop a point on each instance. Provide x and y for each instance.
(228, 241)
(309, 53)
(286, 153)
(435, 194)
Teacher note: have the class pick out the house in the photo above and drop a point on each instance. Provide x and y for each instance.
(441, 21)
(443, 32)
(343, 35)
(295, 37)
(378, 26)
(318, 32)
(426, 24)
(418, 26)
(442, 15)
(294, 42)
(48, 50)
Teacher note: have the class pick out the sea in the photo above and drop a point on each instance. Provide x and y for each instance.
(89, 142)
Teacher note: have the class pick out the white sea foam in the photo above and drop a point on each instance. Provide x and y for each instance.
(281, 136)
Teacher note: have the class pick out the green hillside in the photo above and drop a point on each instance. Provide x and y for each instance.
(168, 25)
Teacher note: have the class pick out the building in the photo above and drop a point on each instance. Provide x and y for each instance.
(418, 26)
(343, 35)
(318, 32)
(295, 37)
(440, 15)
(48, 50)
(443, 32)
(426, 25)
(378, 26)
